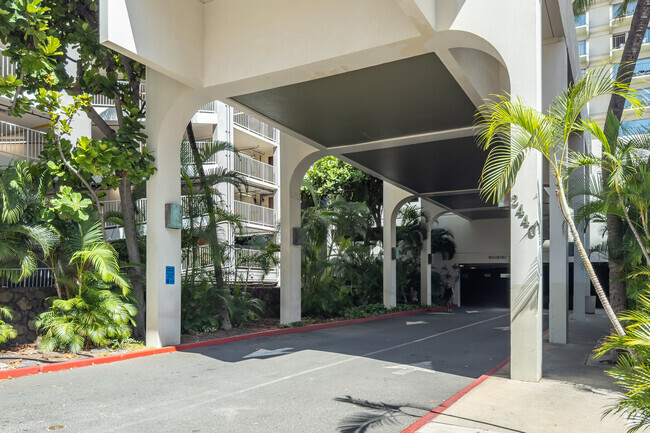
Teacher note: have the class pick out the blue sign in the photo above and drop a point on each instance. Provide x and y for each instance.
(170, 275)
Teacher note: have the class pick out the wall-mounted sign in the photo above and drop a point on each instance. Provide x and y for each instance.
(170, 275)
(173, 216)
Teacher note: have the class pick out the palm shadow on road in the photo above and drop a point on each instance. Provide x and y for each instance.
(380, 414)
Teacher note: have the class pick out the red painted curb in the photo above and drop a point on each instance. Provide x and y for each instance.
(453, 399)
(67, 365)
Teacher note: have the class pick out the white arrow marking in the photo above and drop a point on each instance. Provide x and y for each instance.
(426, 365)
(420, 322)
(261, 353)
(472, 312)
(403, 370)
(503, 328)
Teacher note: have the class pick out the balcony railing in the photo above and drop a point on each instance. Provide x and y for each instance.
(618, 41)
(203, 258)
(188, 157)
(41, 277)
(254, 168)
(254, 214)
(103, 101)
(581, 20)
(256, 126)
(210, 107)
(20, 142)
(246, 258)
(116, 206)
(7, 67)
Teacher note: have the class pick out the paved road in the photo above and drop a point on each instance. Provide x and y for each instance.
(387, 372)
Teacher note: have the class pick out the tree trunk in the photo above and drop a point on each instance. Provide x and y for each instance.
(638, 27)
(585, 258)
(206, 191)
(133, 251)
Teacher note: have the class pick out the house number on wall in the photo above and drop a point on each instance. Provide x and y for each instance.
(519, 213)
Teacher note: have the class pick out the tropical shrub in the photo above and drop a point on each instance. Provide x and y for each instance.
(7, 331)
(632, 370)
(95, 317)
(201, 301)
(243, 307)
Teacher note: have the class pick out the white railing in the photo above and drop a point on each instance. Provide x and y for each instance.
(188, 157)
(7, 67)
(254, 214)
(254, 168)
(210, 107)
(41, 277)
(104, 101)
(116, 206)
(256, 126)
(18, 141)
(203, 258)
(246, 258)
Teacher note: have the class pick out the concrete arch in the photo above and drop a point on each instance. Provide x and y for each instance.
(295, 159)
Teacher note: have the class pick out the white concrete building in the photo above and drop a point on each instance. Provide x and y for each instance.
(390, 86)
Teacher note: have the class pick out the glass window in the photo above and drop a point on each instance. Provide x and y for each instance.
(581, 20)
(631, 7)
(582, 48)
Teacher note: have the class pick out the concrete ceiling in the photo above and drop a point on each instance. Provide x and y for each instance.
(406, 98)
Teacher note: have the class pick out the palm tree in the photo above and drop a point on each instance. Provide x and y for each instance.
(624, 74)
(510, 130)
(622, 160)
(442, 241)
(24, 236)
(203, 201)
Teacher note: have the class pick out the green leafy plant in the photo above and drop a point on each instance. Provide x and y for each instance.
(7, 331)
(632, 369)
(70, 205)
(95, 317)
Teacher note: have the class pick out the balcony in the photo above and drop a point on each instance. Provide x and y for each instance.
(7, 67)
(583, 52)
(582, 25)
(255, 169)
(253, 214)
(625, 19)
(202, 260)
(255, 126)
(246, 258)
(618, 43)
(102, 101)
(116, 206)
(18, 142)
(188, 158)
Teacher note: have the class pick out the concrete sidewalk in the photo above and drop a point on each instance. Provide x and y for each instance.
(570, 398)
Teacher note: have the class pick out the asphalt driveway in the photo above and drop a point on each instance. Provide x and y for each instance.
(386, 373)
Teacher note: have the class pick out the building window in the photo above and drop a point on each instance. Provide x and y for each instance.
(640, 126)
(631, 7)
(582, 48)
(644, 97)
(618, 40)
(581, 20)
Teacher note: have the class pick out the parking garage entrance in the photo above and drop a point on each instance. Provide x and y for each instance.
(485, 285)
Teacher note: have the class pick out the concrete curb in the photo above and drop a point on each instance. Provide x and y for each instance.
(453, 399)
(68, 365)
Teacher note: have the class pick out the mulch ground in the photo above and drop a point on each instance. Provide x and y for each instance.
(28, 355)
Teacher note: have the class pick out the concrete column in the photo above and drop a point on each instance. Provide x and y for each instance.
(526, 210)
(163, 244)
(394, 198)
(295, 158)
(554, 81)
(581, 282)
(432, 211)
